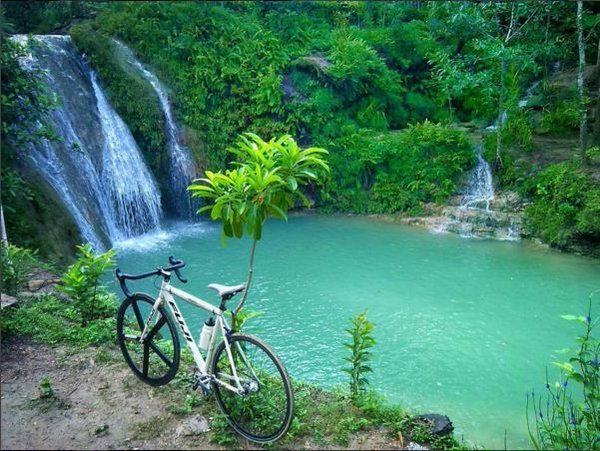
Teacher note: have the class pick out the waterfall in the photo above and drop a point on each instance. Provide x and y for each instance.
(181, 165)
(95, 166)
(479, 189)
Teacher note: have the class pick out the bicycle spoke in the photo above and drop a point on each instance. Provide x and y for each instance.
(159, 352)
(156, 360)
(145, 359)
(138, 315)
(160, 323)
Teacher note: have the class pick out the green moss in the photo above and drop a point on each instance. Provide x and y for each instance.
(37, 219)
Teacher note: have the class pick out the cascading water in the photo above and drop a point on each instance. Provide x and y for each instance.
(95, 166)
(479, 190)
(181, 165)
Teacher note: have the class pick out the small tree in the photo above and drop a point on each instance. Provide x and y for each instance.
(82, 283)
(360, 331)
(265, 179)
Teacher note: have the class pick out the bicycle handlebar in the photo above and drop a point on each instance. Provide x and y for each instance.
(176, 265)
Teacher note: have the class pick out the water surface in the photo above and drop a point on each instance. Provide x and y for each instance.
(464, 327)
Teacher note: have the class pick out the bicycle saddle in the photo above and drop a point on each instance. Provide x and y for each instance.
(226, 291)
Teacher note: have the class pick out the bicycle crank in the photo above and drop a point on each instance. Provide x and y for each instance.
(202, 381)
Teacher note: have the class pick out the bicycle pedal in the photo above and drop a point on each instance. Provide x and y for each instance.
(202, 382)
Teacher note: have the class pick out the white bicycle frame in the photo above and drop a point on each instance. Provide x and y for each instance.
(168, 293)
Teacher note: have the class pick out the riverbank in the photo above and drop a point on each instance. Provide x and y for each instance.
(68, 395)
(97, 403)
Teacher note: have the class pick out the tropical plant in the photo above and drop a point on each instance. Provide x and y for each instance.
(265, 179)
(565, 204)
(362, 341)
(570, 417)
(82, 283)
(16, 264)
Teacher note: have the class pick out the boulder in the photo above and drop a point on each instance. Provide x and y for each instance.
(193, 425)
(439, 424)
(7, 300)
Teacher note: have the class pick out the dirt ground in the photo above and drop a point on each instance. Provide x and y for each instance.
(99, 404)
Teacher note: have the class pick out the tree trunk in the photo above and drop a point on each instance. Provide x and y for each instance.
(583, 112)
(596, 137)
(500, 120)
(3, 237)
(248, 282)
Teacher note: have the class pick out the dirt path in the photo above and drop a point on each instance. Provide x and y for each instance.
(99, 404)
(96, 405)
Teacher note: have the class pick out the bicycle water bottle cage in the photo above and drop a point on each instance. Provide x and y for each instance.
(227, 292)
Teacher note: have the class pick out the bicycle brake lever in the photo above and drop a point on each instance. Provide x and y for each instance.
(180, 277)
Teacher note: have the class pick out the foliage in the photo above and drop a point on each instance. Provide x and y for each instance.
(519, 131)
(397, 171)
(191, 400)
(561, 118)
(46, 390)
(43, 17)
(25, 102)
(82, 283)
(362, 341)
(50, 320)
(242, 318)
(265, 181)
(419, 431)
(565, 205)
(570, 418)
(16, 265)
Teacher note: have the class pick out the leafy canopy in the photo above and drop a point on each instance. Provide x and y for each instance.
(265, 180)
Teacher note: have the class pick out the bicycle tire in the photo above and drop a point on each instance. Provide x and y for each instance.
(159, 356)
(265, 413)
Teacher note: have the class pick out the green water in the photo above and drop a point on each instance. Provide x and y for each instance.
(464, 327)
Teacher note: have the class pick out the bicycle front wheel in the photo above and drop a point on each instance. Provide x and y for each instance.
(263, 413)
(155, 361)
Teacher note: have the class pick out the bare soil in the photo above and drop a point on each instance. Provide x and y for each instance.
(99, 404)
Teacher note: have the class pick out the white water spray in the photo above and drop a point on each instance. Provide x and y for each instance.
(181, 165)
(95, 166)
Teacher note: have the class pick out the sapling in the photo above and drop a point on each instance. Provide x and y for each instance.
(264, 180)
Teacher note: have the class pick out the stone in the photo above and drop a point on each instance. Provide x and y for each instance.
(416, 446)
(7, 300)
(439, 424)
(193, 425)
(36, 284)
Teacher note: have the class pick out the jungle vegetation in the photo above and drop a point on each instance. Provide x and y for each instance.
(398, 92)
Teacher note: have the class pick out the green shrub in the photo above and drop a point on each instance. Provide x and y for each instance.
(399, 171)
(82, 283)
(570, 417)
(16, 265)
(561, 118)
(50, 320)
(518, 130)
(565, 205)
(362, 341)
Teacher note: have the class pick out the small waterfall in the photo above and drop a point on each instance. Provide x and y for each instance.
(528, 94)
(95, 167)
(181, 165)
(479, 189)
(127, 190)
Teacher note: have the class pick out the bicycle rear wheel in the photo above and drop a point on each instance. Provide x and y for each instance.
(265, 411)
(155, 361)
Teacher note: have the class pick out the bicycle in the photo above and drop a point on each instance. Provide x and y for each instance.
(250, 384)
